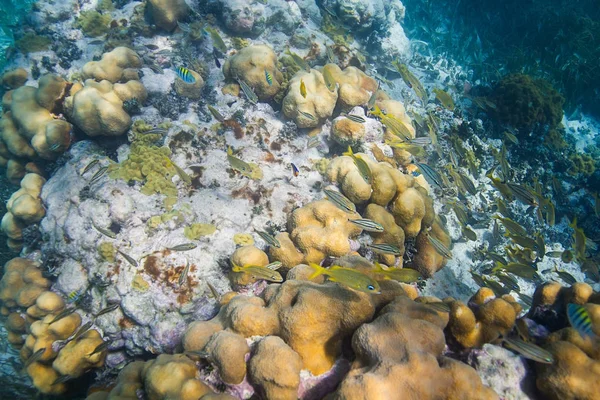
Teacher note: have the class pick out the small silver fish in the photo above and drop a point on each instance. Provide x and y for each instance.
(62, 314)
(108, 309)
(129, 259)
(384, 248)
(90, 166)
(34, 357)
(275, 265)
(313, 142)
(184, 274)
(98, 175)
(367, 224)
(183, 247)
(529, 350)
(104, 231)
(439, 246)
(100, 348)
(62, 379)
(270, 240)
(250, 95)
(156, 131)
(356, 118)
(431, 174)
(86, 327)
(307, 115)
(341, 201)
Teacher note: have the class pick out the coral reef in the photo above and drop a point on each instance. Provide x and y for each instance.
(318, 103)
(355, 87)
(251, 64)
(166, 13)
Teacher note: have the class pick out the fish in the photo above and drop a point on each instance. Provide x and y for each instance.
(499, 185)
(367, 224)
(64, 313)
(384, 248)
(259, 272)
(579, 318)
(330, 54)
(302, 88)
(295, 170)
(529, 350)
(363, 167)
(75, 296)
(579, 240)
(275, 265)
(511, 137)
(307, 115)
(356, 118)
(523, 241)
(218, 116)
(269, 239)
(495, 257)
(184, 274)
(496, 231)
(268, 77)
(347, 277)
(522, 193)
(216, 58)
(197, 353)
(373, 98)
(509, 282)
(90, 166)
(129, 259)
(439, 247)
(469, 233)
(155, 131)
(34, 357)
(100, 348)
(527, 300)
(444, 98)
(62, 379)
(439, 306)
(330, 82)
(184, 27)
(84, 328)
(183, 247)
(213, 291)
(477, 278)
(566, 256)
(104, 231)
(404, 275)
(182, 174)
(430, 174)
(248, 92)
(414, 149)
(460, 211)
(396, 126)
(217, 40)
(554, 254)
(502, 208)
(497, 288)
(299, 61)
(565, 276)
(313, 142)
(519, 269)
(511, 226)
(504, 167)
(238, 164)
(341, 201)
(467, 183)
(96, 177)
(185, 75)
(540, 245)
(108, 309)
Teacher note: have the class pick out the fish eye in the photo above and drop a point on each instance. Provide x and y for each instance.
(371, 287)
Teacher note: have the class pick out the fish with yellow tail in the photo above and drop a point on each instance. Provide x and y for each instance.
(259, 272)
(302, 88)
(362, 166)
(348, 277)
(241, 166)
(404, 275)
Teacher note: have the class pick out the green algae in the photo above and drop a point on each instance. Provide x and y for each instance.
(93, 24)
(581, 164)
(30, 43)
(107, 251)
(196, 231)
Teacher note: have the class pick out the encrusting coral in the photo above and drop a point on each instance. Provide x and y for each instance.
(355, 87)
(14, 78)
(251, 65)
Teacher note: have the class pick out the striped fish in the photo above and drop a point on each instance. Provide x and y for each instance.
(185, 75)
(62, 314)
(384, 248)
(580, 319)
(314, 141)
(218, 116)
(270, 240)
(129, 259)
(373, 98)
(307, 115)
(356, 118)
(184, 274)
(104, 231)
(367, 225)
(99, 174)
(341, 201)
(268, 77)
(250, 95)
(522, 193)
(275, 265)
(430, 174)
(439, 306)
(90, 166)
(155, 131)
(439, 246)
(84, 328)
(529, 350)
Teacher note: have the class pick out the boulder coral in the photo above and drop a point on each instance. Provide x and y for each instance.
(14, 78)
(119, 65)
(22, 283)
(166, 13)
(355, 87)
(399, 356)
(319, 101)
(316, 230)
(251, 64)
(347, 132)
(484, 319)
(23, 208)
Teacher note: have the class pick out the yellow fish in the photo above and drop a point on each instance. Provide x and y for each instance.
(347, 277)
(302, 88)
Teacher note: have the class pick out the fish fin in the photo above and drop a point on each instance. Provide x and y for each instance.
(229, 151)
(318, 271)
(349, 153)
